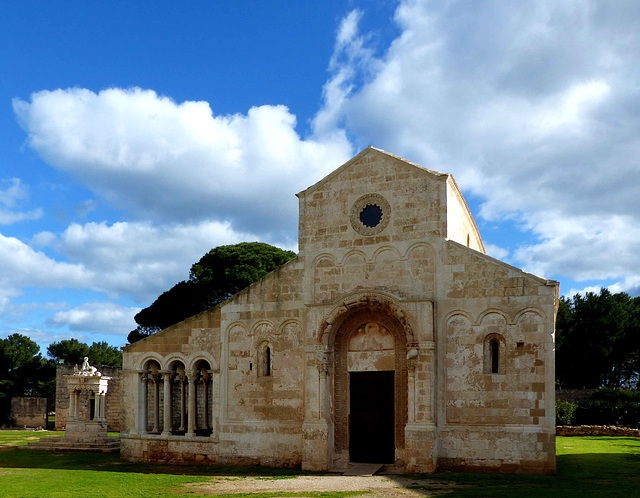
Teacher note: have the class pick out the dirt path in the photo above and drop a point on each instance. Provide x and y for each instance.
(381, 486)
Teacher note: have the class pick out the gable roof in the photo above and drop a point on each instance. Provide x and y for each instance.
(369, 150)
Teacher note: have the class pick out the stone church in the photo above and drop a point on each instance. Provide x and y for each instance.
(391, 338)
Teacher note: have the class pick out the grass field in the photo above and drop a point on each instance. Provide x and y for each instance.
(587, 466)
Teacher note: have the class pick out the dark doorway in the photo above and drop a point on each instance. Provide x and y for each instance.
(372, 421)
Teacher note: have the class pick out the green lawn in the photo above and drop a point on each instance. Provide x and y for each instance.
(587, 466)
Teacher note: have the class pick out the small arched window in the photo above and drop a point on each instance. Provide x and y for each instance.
(265, 360)
(494, 354)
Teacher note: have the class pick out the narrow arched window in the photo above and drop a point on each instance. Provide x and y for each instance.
(495, 356)
(265, 365)
(267, 359)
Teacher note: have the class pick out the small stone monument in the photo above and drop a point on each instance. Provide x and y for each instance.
(86, 428)
(90, 423)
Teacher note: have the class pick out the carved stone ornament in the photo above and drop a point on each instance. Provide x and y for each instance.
(370, 214)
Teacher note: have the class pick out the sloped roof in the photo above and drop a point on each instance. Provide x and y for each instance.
(370, 149)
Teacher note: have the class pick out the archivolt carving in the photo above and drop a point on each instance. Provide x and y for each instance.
(236, 332)
(493, 317)
(291, 329)
(369, 300)
(263, 330)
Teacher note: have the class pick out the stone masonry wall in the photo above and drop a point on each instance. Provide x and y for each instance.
(596, 430)
(29, 412)
(112, 400)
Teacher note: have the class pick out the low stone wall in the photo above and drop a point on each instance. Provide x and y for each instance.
(29, 412)
(596, 430)
(112, 399)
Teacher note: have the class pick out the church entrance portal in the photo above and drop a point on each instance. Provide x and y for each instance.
(372, 417)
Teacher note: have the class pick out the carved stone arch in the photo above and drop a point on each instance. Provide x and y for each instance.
(387, 249)
(236, 332)
(263, 329)
(529, 311)
(142, 364)
(530, 327)
(414, 248)
(195, 358)
(290, 329)
(325, 255)
(169, 362)
(490, 313)
(353, 321)
(353, 253)
(359, 301)
(457, 323)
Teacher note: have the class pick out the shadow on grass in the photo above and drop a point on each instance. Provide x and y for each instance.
(110, 462)
(615, 473)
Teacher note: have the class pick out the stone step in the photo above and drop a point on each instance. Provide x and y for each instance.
(108, 445)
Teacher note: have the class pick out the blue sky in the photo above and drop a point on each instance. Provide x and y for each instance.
(136, 136)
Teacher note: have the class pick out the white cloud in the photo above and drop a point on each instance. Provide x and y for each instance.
(25, 267)
(140, 259)
(97, 317)
(169, 161)
(11, 196)
(496, 251)
(533, 106)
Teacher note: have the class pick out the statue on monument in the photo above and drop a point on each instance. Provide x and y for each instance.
(86, 370)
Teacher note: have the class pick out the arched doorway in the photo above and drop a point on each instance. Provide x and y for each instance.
(369, 387)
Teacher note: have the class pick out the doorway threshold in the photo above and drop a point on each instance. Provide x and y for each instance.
(363, 469)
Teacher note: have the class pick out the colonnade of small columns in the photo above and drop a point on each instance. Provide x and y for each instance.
(188, 381)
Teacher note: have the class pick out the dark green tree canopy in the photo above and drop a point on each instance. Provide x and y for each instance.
(220, 273)
(23, 372)
(73, 352)
(598, 341)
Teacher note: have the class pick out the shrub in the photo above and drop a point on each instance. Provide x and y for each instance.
(609, 407)
(565, 412)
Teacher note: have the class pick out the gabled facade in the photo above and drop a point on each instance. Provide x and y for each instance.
(392, 337)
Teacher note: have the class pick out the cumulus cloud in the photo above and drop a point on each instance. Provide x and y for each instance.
(30, 268)
(164, 160)
(139, 259)
(532, 106)
(97, 317)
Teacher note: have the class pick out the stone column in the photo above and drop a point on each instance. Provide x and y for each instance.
(143, 402)
(317, 431)
(192, 418)
(183, 403)
(72, 405)
(412, 362)
(76, 405)
(205, 389)
(156, 400)
(96, 406)
(103, 406)
(166, 379)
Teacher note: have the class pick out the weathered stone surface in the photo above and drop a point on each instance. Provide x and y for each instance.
(391, 276)
(29, 412)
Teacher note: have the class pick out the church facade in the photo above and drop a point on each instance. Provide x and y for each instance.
(391, 338)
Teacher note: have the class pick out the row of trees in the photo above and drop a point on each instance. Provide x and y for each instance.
(598, 341)
(25, 372)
